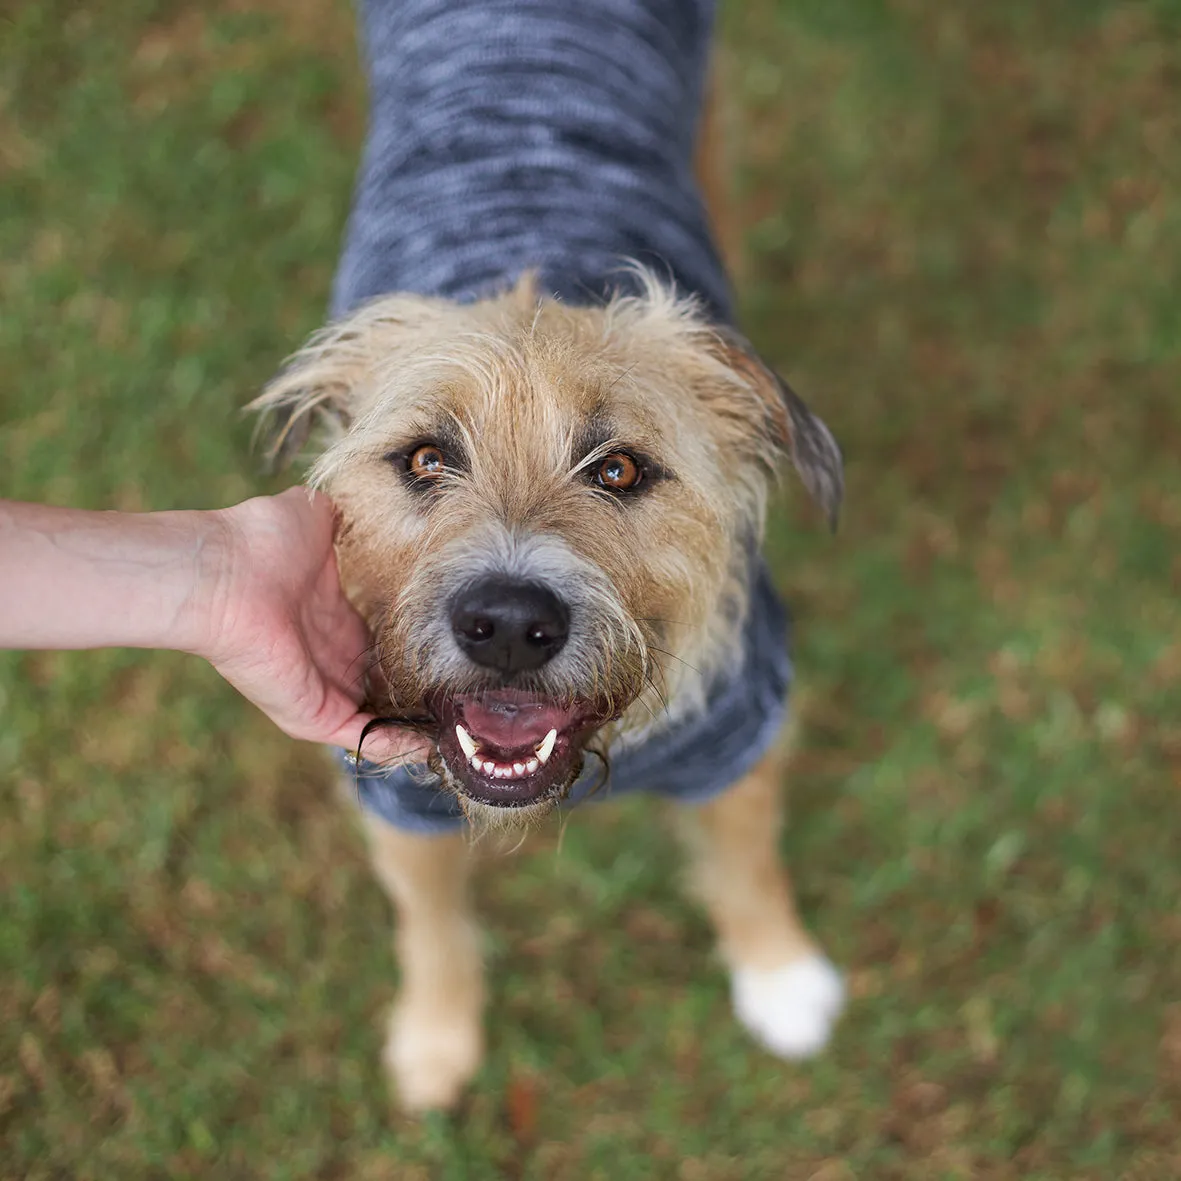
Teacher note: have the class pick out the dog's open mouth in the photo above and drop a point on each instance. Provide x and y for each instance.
(509, 748)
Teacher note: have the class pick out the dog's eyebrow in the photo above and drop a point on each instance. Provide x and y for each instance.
(600, 434)
(452, 439)
(448, 435)
(595, 432)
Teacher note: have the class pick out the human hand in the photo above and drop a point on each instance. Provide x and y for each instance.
(276, 623)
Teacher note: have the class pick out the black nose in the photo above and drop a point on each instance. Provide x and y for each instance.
(508, 625)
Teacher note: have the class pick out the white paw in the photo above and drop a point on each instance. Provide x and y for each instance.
(789, 1010)
(431, 1060)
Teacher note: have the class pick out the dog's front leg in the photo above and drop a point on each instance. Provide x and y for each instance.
(784, 990)
(435, 1040)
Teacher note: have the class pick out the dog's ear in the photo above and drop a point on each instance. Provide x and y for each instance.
(316, 383)
(793, 428)
(283, 429)
(334, 377)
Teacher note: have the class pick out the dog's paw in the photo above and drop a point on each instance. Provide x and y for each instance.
(789, 1010)
(431, 1060)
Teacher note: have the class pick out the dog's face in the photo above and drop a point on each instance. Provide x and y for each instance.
(547, 515)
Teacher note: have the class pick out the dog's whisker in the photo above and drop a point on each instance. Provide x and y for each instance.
(674, 656)
(563, 824)
(368, 651)
(626, 373)
(659, 697)
(524, 833)
(362, 676)
(605, 768)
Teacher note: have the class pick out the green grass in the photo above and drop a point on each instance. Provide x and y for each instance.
(965, 234)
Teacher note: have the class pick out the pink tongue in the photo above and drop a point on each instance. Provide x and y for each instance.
(511, 723)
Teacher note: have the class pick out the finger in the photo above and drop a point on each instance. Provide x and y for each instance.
(300, 494)
(382, 744)
(346, 633)
(322, 508)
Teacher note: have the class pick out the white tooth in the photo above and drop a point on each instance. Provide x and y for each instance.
(518, 768)
(532, 766)
(475, 761)
(465, 740)
(545, 747)
(489, 768)
(503, 772)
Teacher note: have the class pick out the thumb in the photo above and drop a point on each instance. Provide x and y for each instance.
(382, 744)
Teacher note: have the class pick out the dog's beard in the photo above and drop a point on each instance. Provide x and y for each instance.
(501, 817)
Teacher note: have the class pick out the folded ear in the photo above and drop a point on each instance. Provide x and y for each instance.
(793, 427)
(283, 428)
(317, 383)
(333, 377)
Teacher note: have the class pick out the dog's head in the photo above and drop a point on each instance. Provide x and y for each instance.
(547, 516)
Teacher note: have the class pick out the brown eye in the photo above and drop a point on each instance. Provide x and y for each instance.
(426, 463)
(619, 472)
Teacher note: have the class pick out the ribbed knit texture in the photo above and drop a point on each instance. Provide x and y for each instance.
(554, 136)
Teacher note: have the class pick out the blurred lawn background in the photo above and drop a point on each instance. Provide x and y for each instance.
(964, 233)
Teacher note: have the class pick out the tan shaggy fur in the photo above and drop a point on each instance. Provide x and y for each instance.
(535, 394)
(518, 377)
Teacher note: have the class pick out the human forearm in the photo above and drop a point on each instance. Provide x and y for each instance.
(76, 579)
(253, 588)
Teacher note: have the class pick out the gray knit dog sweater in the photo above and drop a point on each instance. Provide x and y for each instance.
(555, 136)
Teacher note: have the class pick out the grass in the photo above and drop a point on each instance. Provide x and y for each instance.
(964, 225)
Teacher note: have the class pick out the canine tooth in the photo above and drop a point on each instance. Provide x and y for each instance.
(532, 766)
(489, 768)
(518, 768)
(466, 741)
(545, 747)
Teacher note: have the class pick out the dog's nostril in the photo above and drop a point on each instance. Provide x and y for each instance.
(479, 628)
(508, 625)
(542, 633)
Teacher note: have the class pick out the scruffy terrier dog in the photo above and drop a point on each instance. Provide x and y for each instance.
(549, 518)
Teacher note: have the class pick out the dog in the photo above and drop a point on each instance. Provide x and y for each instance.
(551, 477)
